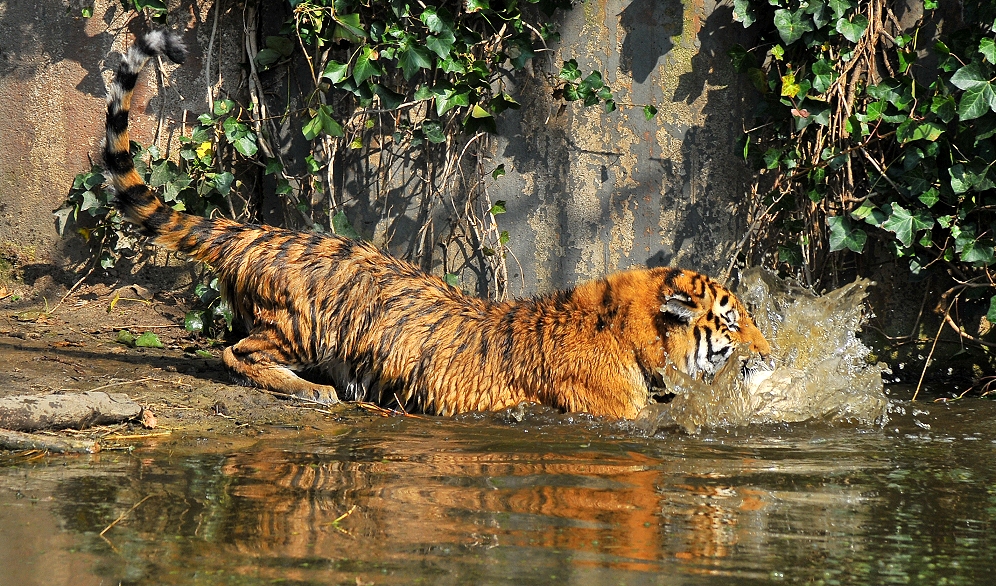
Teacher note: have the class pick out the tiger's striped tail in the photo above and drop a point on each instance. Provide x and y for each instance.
(133, 198)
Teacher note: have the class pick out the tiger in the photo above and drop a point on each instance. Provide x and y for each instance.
(331, 319)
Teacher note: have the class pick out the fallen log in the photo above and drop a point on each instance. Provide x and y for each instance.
(15, 440)
(76, 410)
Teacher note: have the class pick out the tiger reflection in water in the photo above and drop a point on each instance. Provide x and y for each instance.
(629, 511)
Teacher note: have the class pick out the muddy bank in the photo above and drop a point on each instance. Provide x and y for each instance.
(74, 349)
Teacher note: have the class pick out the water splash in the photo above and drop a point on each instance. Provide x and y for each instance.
(820, 368)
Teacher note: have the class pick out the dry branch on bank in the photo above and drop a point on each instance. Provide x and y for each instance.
(16, 440)
(77, 410)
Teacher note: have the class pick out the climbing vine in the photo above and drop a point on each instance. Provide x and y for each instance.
(874, 132)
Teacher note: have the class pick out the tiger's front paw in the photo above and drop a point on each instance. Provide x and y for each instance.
(322, 394)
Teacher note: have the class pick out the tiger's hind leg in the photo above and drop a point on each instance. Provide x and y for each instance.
(254, 359)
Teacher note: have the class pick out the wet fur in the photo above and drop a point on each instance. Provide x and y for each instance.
(379, 329)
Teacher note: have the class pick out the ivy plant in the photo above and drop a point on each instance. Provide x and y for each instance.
(871, 131)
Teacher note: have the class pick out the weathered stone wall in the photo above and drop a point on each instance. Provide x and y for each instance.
(588, 192)
(53, 71)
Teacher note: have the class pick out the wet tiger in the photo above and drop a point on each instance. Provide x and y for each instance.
(330, 318)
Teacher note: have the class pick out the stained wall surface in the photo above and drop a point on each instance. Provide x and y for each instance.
(587, 192)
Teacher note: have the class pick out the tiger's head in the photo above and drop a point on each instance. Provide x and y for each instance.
(704, 323)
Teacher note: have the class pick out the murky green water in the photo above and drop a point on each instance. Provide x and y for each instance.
(491, 500)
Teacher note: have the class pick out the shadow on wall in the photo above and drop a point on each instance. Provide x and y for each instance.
(672, 210)
(707, 218)
(649, 26)
(27, 49)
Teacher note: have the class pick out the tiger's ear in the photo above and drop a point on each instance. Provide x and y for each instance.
(680, 306)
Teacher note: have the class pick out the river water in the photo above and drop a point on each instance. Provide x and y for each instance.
(493, 500)
(819, 477)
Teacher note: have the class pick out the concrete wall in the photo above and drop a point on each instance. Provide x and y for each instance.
(588, 192)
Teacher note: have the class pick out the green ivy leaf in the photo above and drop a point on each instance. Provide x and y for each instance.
(366, 66)
(498, 172)
(91, 202)
(969, 77)
(335, 71)
(497, 208)
(790, 254)
(840, 7)
(414, 58)
(478, 112)
(125, 337)
(322, 122)
(435, 21)
(853, 29)
(988, 49)
(945, 107)
(863, 211)
(107, 260)
(153, 5)
(874, 111)
(349, 28)
(193, 321)
(441, 44)
(433, 132)
(976, 101)
(905, 224)
(478, 5)
(649, 112)
(313, 165)
(148, 340)
(163, 173)
(267, 57)
(741, 58)
(570, 71)
(977, 252)
(246, 145)
(759, 79)
(223, 182)
(930, 197)
(389, 99)
(843, 235)
(823, 75)
(452, 279)
(451, 98)
(991, 314)
(772, 157)
(281, 45)
(593, 81)
(743, 12)
(900, 222)
(910, 130)
(791, 25)
(173, 188)
(313, 128)
(960, 180)
(520, 50)
(907, 57)
(342, 227)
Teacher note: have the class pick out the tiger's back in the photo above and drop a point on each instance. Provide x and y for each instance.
(361, 325)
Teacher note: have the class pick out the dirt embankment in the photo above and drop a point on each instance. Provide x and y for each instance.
(74, 347)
